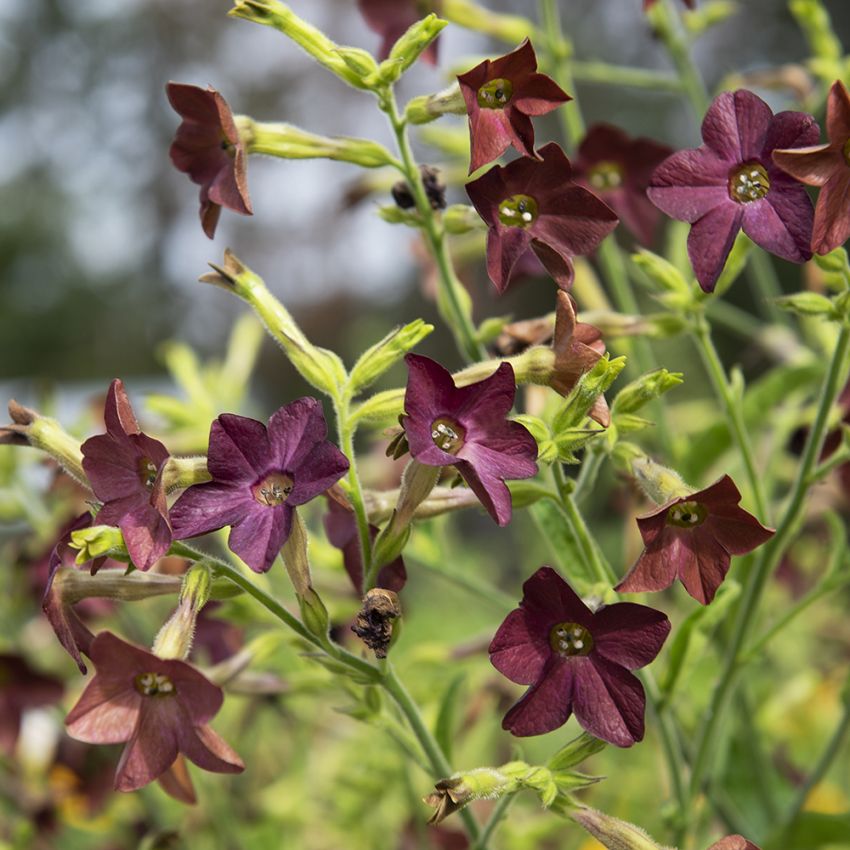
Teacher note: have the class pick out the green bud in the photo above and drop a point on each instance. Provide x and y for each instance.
(525, 493)
(174, 639)
(568, 442)
(661, 272)
(383, 407)
(835, 261)
(646, 388)
(314, 615)
(319, 367)
(360, 61)
(386, 353)
(658, 482)
(461, 218)
(575, 752)
(30, 428)
(808, 304)
(613, 833)
(313, 41)
(99, 541)
(409, 48)
(393, 214)
(428, 107)
(590, 386)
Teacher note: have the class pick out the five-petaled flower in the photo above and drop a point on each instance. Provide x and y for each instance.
(576, 661)
(208, 148)
(618, 168)
(259, 476)
(535, 203)
(693, 538)
(159, 707)
(466, 427)
(502, 95)
(827, 166)
(731, 183)
(390, 19)
(124, 468)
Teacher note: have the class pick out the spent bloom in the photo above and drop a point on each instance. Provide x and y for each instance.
(207, 147)
(390, 19)
(160, 708)
(731, 183)
(618, 168)
(124, 467)
(466, 427)
(535, 203)
(693, 538)
(576, 661)
(502, 95)
(259, 476)
(827, 166)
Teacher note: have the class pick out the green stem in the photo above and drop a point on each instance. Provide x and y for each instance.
(496, 817)
(454, 311)
(770, 555)
(439, 763)
(763, 274)
(734, 413)
(618, 75)
(673, 35)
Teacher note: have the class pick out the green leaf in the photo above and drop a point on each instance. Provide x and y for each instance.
(444, 728)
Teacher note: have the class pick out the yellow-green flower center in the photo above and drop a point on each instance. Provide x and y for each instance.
(273, 490)
(749, 182)
(154, 685)
(606, 175)
(447, 435)
(518, 211)
(496, 94)
(147, 472)
(569, 639)
(686, 514)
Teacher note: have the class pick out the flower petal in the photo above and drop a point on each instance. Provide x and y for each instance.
(782, 223)
(736, 124)
(813, 165)
(629, 635)
(659, 563)
(257, 539)
(318, 471)
(547, 704)
(207, 749)
(208, 507)
(705, 571)
(689, 184)
(153, 747)
(711, 239)
(239, 450)
(505, 245)
(832, 214)
(519, 651)
(491, 491)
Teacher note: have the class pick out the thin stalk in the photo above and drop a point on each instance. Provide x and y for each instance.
(437, 758)
(496, 817)
(619, 75)
(763, 274)
(770, 555)
(675, 39)
(451, 288)
(732, 410)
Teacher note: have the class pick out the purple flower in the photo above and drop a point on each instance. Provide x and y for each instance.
(21, 688)
(693, 538)
(259, 476)
(124, 468)
(576, 661)
(535, 203)
(618, 168)
(159, 707)
(341, 529)
(827, 166)
(731, 183)
(390, 19)
(466, 427)
(501, 97)
(207, 147)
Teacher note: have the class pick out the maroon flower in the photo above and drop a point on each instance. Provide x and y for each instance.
(827, 166)
(536, 203)
(693, 538)
(21, 688)
(465, 427)
(341, 529)
(731, 183)
(502, 95)
(159, 707)
(618, 169)
(259, 476)
(576, 660)
(207, 147)
(124, 467)
(390, 19)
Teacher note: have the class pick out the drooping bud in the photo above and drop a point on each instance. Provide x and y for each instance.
(174, 639)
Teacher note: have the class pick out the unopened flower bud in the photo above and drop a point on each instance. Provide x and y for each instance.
(410, 47)
(576, 751)
(384, 354)
(613, 833)
(647, 387)
(659, 482)
(174, 639)
(427, 107)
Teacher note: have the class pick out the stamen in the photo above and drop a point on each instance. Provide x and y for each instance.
(496, 94)
(273, 490)
(570, 639)
(606, 175)
(447, 435)
(522, 207)
(154, 684)
(748, 183)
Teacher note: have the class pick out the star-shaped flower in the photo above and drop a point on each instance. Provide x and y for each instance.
(259, 476)
(390, 19)
(124, 468)
(159, 708)
(618, 168)
(827, 166)
(535, 203)
(208, 148)
(693, 538)
(731, 183)
(576, 661)
(502, 95)
(466, 427)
